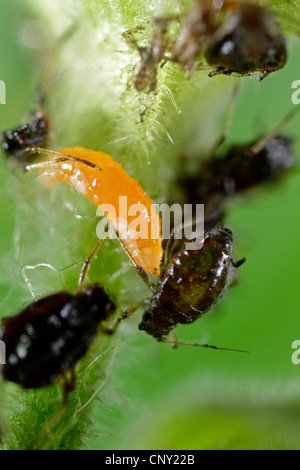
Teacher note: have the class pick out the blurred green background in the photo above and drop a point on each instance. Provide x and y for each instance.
(156, 397)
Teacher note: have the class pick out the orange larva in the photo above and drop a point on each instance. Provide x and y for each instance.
(99, 177)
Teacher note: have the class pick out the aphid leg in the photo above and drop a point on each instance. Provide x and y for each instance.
(48, 71)
(87, 265)
(228, 119)
(260, 145)
(60, 158)
(239, 263)
(173, 336)
(214, 73)
(127, 36)
(139, 268)
(124, 316)
(198, 345)
(69, 383)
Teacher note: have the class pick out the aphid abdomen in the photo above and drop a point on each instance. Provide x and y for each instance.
(51, 335)
(194, 281)
(248, 40)
(244, 169)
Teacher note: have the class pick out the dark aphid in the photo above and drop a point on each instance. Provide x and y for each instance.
(248, 40)
(241, 169)
(192, 284)
(48, 338)
(233, 36)
(145, 75)
(17, 142)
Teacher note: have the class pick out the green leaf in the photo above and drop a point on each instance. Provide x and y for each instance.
(132, 392)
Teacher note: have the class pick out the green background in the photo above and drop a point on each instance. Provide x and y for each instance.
(155, 397)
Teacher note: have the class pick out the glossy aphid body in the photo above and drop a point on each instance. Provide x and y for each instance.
(240, 170)
(145, 74)
(16, 143)
(239, 37)
(47, 339)
(100, 178)
(192, 283)
(248, 40)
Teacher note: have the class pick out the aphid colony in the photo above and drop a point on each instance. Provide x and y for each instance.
(51, 335)
(48, 337)
(206, 273)
(231, 36)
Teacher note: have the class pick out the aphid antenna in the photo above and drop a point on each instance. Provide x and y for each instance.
(60, 158)
(87, 264)
(228, 119)
(199, 345)
(127, 314)
(260, 145)
(48, 70)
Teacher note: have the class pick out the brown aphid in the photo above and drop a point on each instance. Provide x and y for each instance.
(248, 40)
(240, 170)
(234, 37)
(192, 284)
(145, 74)
(16, 143)
(47, 339)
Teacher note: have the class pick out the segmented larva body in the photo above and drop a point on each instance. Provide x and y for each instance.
(104, 184)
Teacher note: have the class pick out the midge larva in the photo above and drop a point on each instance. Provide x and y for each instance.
(100, 178)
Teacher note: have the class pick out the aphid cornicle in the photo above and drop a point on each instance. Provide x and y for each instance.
(47, 339)
(192, 284)
(17, 142)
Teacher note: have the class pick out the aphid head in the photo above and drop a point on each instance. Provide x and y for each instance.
(248, 39)
(100, 305)
(220, 238)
